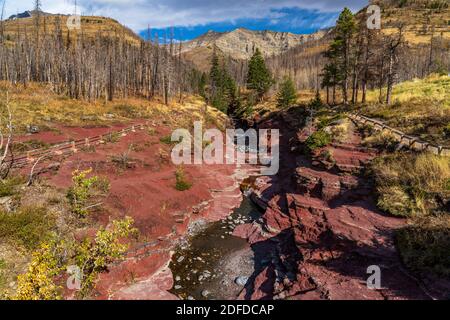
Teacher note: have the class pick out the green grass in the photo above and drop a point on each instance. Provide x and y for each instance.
(8, 187)
(27, 227)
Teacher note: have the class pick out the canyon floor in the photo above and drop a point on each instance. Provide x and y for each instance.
(310, 232)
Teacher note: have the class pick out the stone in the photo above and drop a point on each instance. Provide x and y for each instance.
(33, 129)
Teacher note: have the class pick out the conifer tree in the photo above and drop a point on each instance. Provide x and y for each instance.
(339, 54)
(259, 78)
(287, 94)
(223, 86)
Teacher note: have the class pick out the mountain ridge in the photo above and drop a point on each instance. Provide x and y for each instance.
(241, 43)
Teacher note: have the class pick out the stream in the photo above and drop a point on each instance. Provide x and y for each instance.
(214, 264)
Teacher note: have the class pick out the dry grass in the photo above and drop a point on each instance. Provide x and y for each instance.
(38, 105)
(418, 22)
(91, 27)
(384, 140)
(420, 108)
(412, 185)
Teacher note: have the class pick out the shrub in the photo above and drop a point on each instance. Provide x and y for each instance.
(340, 130)
(93, 255)
(316, 103)
(424, 245)
(81, 191)
(318, 140)
(38, 283)
(287, 95)
(381, 139)
(182, 184)
(112, 137)
(28, 227)
(124, 161)
(410, 184)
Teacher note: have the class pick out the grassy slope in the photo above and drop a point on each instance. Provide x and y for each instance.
(38, 105)
(421, 108)
(90, 27)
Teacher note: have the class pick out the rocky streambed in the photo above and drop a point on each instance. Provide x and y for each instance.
(213, 263)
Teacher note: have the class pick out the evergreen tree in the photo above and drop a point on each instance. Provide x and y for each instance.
(287, 95)
(202, 85)
(259, 78)
(223, 86)
(339, 54)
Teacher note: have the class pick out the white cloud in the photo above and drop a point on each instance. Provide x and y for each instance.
(138, 14)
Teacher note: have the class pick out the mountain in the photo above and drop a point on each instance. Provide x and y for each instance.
(241, 43)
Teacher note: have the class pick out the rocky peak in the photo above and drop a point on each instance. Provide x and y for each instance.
(241, 43)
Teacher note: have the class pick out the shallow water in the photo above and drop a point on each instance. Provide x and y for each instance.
(207, 266)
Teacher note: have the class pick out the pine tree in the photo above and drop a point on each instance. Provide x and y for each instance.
(259, 78)
(223, 86)
(339, 54)
(287, 95)
(202, 85)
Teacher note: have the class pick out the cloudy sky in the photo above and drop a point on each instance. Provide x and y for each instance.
(194, 17)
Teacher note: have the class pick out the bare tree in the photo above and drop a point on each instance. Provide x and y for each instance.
(2, 27)
(392, 46)
(6, 139)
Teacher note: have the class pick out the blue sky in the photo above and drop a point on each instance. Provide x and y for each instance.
(191, 18)
(295, 20)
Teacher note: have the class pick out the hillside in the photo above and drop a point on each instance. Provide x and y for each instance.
(91, 26)
(421, 23)
(241, 43)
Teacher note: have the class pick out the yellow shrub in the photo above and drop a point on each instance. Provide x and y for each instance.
(38, 283)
